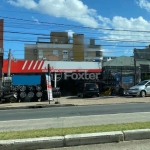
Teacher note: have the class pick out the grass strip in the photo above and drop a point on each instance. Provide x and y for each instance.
(72, 130)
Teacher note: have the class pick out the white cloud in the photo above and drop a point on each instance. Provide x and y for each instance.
(132, 24)
(77, 11)
(104, 20)
(28, 4)
(144, 4)
(73, 10)
(36, 20)
(128, 51)
(108, 52)
(70, 33)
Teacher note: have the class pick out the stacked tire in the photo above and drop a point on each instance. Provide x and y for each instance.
(39, 92)
(15, 89)
(28, 93)
(56, 92)
(34, 92)
(23, 93)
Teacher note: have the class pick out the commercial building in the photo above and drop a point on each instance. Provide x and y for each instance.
(64, 74)
(128, 70)
(60, 47)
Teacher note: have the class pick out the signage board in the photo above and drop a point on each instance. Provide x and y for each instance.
(40, 66)
(49, 87)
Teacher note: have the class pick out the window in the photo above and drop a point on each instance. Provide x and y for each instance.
(55, 52)
(85, 54)
(35, 51)
(65, 52)
(65, 55)
(98, 54)
(40, 54)
(71, 53)
(148, 84)
(143, 83)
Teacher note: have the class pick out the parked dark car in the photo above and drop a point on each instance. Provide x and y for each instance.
(88, 90)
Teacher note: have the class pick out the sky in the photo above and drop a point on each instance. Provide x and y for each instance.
(118, 25)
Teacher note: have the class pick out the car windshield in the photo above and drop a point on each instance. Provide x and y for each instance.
(142, 83)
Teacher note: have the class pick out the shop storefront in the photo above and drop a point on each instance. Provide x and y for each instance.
(66, 75)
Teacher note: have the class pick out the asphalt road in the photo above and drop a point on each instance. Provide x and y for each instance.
(132, 145)
(25, 114)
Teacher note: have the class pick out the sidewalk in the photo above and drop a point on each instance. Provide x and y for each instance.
(75, 101)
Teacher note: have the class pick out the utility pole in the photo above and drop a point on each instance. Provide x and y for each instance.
(121, 77)
(134, 71)
(9, 63)
(48, 76)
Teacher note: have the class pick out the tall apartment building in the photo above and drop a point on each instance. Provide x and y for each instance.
(62, 48)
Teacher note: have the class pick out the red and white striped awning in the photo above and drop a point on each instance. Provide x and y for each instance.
(34, 66)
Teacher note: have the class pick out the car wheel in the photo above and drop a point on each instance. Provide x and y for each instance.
(143, 94)
(12, 100)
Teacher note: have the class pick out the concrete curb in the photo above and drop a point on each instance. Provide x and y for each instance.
(30, 144)
(75, 140)
(37, 106)
(136, 134)
(59, 105)
(93, 138)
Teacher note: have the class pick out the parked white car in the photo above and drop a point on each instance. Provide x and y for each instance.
(141, 89)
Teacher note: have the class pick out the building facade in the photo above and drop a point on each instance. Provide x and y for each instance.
(130, 70)
(64, 74)
(62, 48)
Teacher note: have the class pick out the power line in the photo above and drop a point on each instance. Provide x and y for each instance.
(100, 39)
(57, 27)
(106, 29)
(76, 44)
(63, 31)
(123, 40)
(91, 33)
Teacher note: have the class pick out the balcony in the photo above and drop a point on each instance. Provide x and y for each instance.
(93, 58)
(90, 48)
